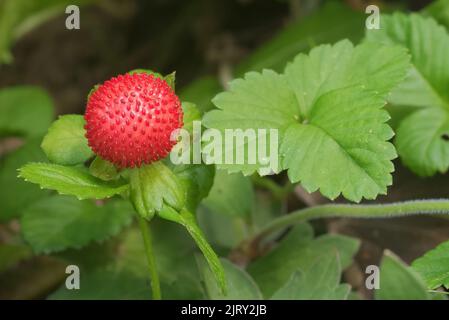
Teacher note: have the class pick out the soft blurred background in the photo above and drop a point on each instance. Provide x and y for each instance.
(207, 43)
(199, 39)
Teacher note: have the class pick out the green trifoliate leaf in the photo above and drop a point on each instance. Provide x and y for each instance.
(349, 155)
(58, 223)
(25, 111)
(434, 266)
(299, 251)
(422, 136)
(70, 181)
(341, 145)
(239, 283)
(320, 282)
(154, 185)
(103, 169)
(422, 141)
(65, 142)
(327, 110)
(252, 106)
(398, 281)
(17, 194)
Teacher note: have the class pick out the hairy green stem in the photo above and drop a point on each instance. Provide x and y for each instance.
(154, 277)
(399, 209)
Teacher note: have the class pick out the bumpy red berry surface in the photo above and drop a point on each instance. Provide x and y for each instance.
(130, 118)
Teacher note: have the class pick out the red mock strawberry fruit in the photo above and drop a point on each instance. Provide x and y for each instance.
(129, 119)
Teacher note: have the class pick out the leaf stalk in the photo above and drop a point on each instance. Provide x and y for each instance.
(391, 210)
(154, 277)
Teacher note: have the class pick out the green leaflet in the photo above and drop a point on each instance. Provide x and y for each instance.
(103, 169)
(106, 284)
(65, 142)
(24, 110)
(231, 194)
(320, 282)
(353, 145)
(434, 266)
(421, 136)
(398, 281)
(421, 141)
(239, 283)
(17, 194)
(57, 223)
(70, 181)
(298, 250)
(259, 101)
(327, 108)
